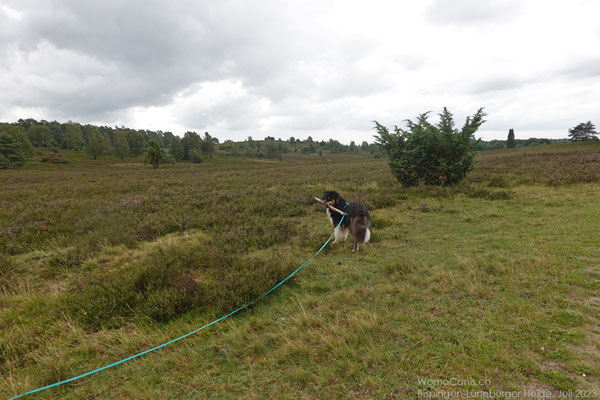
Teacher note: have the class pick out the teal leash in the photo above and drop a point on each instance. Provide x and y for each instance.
(187, 334)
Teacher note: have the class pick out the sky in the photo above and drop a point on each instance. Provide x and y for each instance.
(325, 69)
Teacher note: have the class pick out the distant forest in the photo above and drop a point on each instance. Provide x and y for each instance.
(29, 137)
(482, 145)
(122, 142)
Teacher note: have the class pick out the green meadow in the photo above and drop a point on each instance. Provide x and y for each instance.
(488, 286)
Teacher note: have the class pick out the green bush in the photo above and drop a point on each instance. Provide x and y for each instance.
(147, 290)
(196, 155)
(10, 152)
(165, 304)
(55, 158)
(170, 281)
(430, 154)
(167, 158)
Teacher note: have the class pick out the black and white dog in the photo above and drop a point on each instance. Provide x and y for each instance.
(357, 220)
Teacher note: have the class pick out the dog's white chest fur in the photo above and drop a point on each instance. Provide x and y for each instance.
(328, 211)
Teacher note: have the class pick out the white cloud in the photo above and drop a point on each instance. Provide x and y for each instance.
(11, 12)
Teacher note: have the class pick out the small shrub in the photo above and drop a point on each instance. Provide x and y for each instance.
(156, 276)
(196, 156)
(55, 158)
(7, 264)
(383, 200)
(480, 192)
(426, 208)
(400, 267)
(499, 181)
(380, 222)
(165, 304)
(163, 285)
(243, 279)
(53, 263)
(103, 302)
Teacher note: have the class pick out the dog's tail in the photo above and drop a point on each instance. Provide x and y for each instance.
(360, 228)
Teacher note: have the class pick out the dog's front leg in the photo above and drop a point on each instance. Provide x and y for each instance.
(340, 235)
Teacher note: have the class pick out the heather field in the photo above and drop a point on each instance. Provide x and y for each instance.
(490, 286)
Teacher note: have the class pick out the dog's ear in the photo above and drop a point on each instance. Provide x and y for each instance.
(331, 195)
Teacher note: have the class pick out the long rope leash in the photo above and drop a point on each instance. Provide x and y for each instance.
(187, 334)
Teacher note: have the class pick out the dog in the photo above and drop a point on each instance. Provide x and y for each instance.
(357, 220)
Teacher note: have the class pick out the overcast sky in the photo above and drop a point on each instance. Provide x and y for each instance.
(297, 68)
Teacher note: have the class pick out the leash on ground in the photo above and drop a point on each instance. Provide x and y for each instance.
(187, 334)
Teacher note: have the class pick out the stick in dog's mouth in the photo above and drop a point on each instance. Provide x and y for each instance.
(332, 208)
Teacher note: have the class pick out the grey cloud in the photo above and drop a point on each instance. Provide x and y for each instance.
(340, 80)
(495, 84)
(472, 12)
(92, 61)
(411, 61)
(156, 50)
(234, 115)
(528, 125)
(300, 66)
(324, 71)
(586, 68)
(337, 115)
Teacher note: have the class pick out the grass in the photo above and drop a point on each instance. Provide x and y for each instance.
(496, 278)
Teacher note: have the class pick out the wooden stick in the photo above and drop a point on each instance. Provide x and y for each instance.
(332, 208)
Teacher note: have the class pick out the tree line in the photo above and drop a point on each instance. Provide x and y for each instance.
(18, 142)
(275, 148)
(482, 145)
(23, 139)
(580, 132)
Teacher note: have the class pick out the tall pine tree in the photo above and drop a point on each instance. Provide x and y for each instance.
(510, 141)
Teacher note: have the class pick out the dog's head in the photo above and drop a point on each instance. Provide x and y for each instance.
(330, 197)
